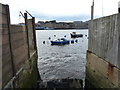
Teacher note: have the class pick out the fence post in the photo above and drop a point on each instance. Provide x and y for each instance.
(9, 36)
(34, 33)
(26, 25)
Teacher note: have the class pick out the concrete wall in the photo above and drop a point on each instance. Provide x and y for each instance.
(100, 74)
(104, 34)
(104, 43)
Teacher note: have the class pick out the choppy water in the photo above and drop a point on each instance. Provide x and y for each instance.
(57, 62)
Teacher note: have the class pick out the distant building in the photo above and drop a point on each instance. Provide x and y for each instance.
(80, 24)
(23, 24)
(40, 24)
(63, 25)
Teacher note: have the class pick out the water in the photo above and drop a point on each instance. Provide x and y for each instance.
(58, 62)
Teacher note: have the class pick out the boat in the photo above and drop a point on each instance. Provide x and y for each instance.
(61, 41)
(74, 35)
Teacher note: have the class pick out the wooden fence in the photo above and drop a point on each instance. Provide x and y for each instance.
(15, 45)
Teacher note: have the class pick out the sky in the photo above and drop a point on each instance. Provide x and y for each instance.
(61, 10)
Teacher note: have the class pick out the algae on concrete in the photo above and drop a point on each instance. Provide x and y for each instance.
(30, 75)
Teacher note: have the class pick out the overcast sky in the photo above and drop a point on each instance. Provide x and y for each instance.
(61, 10)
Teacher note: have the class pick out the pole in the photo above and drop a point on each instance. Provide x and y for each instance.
(25, 15)
(28, 13)
(11, 50)
(102, 9)
(34, 33)
(92, 11)
(119, 7)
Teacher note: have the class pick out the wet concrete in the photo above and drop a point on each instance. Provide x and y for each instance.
(62, 83)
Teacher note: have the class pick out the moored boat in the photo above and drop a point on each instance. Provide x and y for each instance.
(61, 41)
(74, 35)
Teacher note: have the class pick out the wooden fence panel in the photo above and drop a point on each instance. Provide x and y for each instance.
(5, 39)
(13, 45)
(18, 46)
(30, 35)
(3, 29)
(7, 70)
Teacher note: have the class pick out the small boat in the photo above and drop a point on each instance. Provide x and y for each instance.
(74, 35)
(61, 41)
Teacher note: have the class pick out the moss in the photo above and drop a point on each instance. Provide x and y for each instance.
(97, 80)
(30, 76)
(95, 75)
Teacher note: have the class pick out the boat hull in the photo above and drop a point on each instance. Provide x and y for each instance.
(59, 42)
(76, 35)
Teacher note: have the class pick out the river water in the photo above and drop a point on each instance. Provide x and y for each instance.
(66, 61)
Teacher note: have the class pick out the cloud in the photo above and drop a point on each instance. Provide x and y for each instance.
(61, 9)
(63, 18)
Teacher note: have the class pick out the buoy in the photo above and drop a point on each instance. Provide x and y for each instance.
(43, 42)
(72, 41)
(49, 38)
(76, 40)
